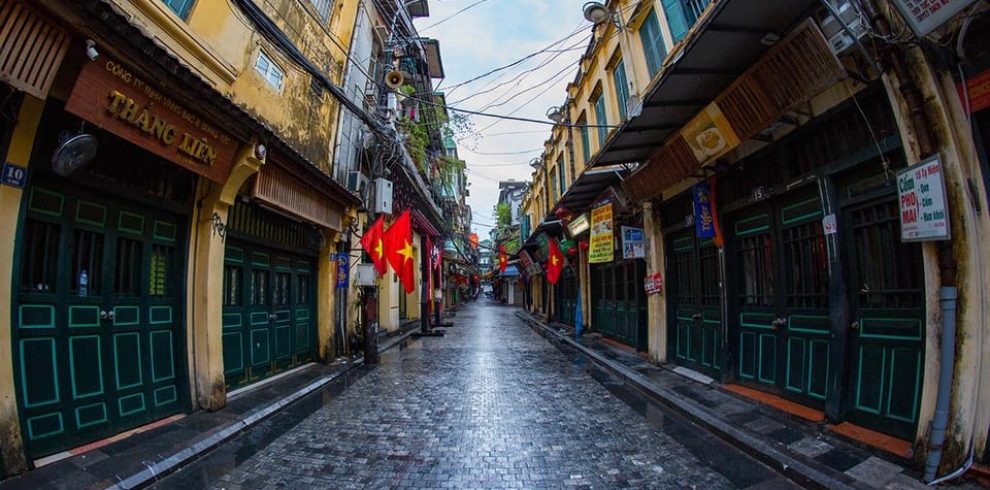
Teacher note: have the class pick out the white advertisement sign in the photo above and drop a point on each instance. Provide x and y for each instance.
(633, 246)
(924, 210)
(924, 16)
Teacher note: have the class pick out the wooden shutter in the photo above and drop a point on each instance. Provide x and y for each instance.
(31, 48)
(676, 20)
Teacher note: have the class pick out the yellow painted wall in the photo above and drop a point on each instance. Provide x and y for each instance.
(19, 152)
(217, 42)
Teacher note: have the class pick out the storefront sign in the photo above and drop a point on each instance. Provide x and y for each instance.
(653, 283)
(14, 175)
(578, 225)
(924, 16)
(633, 246)
(602, 237)
(343, 269)
(709, 134)
(924, 209)
(977, 91)
(114, 98)
(704, 219)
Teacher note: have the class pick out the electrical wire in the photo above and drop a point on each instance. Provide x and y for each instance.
(513, 118)
(451, 16)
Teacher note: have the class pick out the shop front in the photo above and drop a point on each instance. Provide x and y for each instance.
(810, 225)
(99, 326)
(618, 300)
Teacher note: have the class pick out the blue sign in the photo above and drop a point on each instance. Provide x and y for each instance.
(14, 175)
(343, 269)
(704, 220)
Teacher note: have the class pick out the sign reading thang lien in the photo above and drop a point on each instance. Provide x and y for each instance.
(114, 98)
(602, 247)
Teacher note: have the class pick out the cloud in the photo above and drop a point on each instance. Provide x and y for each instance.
(493, 34)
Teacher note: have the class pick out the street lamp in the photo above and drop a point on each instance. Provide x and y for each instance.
(535, 163)
(597, 13)
(554, 114)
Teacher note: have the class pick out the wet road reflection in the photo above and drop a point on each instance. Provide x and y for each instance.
(490, 405)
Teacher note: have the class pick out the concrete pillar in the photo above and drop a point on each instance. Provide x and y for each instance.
(970, 403)
(205, 312)
(19, 152)
(656, 304)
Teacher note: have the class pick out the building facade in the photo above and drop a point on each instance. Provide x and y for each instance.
(770, 171)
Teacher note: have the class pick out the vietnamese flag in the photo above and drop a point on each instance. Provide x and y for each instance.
(371, 242)
(555, 262)
(503, 259)
(399, 250)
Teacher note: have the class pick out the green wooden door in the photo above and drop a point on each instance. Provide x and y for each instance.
(887, 309)
(696, 312)
(99, 355)
(618, 301)
(269, 323)
(781, 297)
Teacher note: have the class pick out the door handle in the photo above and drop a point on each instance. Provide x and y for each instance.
(110, 315)
(696, 316)
(104, 315)
(777, 323)
(854, 326)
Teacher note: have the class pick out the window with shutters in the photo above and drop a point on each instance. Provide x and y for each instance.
(653, 47)
(585, 142)
(562, 175)
(180, 7)
(601, 120)
(621, 87)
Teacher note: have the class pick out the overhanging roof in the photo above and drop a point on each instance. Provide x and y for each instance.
(433, 60)
(719, 48)
(588, 186)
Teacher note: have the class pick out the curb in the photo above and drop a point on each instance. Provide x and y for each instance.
(154, 471)
(784, 464)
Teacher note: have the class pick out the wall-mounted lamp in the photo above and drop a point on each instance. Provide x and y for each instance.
(554, 114)
(91, 51)
(596, 12)
(535, 163)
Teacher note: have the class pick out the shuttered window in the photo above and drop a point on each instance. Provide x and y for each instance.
(653, 47)
(585, 144)
(676, 20)
(180, 7)
(601, 120)
(563, 175)
(621, 88)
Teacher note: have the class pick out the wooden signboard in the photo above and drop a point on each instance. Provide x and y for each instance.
(114, 98)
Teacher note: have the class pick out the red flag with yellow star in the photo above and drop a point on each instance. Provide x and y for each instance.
(555, 262)
(399, 251)
(371, 242)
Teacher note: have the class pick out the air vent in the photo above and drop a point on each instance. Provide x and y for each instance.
(31, 48)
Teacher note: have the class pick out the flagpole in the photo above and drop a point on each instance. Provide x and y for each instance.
(424, 266)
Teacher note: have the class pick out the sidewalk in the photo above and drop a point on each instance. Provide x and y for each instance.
(145, 456)
(797, 448)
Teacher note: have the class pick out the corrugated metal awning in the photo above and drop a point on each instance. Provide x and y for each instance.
(726, 40)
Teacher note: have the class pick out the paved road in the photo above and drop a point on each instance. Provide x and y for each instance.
(491, 405)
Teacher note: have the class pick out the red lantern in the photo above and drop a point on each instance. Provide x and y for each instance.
(584, 245)
(571, 251)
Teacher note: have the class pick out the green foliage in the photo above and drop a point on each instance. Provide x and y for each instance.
(407, 90)
(504, 212)
(417, 139)
(512, 246)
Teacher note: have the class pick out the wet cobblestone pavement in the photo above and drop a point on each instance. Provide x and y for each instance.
(490, 405)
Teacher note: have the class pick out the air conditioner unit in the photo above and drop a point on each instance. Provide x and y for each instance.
(838, 38)
(357, 182)
(383, 196)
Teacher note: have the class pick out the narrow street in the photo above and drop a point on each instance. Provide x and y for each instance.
(490, 405)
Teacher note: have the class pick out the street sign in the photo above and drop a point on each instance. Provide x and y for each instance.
(14, 175)
(924, 210)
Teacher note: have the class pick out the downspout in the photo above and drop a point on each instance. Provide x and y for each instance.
(947, 302)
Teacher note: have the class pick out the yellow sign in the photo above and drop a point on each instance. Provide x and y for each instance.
(709, 134)
(602, 247)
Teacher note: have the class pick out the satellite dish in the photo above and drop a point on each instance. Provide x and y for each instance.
(74, 153)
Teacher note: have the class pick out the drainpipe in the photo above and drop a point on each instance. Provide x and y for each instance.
(947, 301)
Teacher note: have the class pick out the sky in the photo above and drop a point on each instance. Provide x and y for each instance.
(490, 34)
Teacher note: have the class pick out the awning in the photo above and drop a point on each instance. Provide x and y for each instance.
(727, 39)
(549, 226)
(588, 186)
(433, 60)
